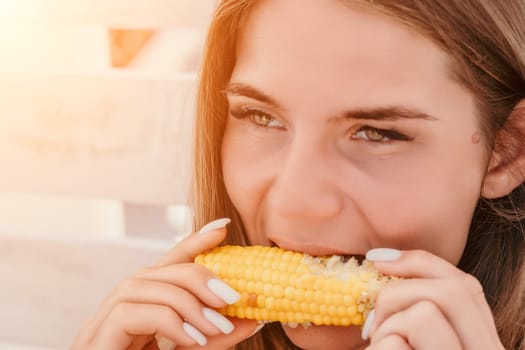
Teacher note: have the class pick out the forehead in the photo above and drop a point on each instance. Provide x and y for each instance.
(313, 28)
(329, 47)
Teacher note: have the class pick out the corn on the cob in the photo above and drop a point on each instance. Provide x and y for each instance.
(295, 288)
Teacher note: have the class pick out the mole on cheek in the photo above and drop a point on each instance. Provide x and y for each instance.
(476, 137)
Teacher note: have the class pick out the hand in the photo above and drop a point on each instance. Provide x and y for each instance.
(172, 299)
(436, 306)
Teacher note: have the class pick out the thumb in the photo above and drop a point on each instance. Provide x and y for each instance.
(209, 236)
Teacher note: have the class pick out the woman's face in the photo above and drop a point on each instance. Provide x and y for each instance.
(347, 131)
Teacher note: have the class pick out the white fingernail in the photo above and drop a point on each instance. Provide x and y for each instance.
(218, 320)
(214, 225)
(367, 325)
(257, 329)
(383, 254)
(194, 334)
(223, 291)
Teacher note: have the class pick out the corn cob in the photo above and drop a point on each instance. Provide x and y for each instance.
(295, 288)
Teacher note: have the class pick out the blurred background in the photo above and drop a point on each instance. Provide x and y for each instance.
(96, 113)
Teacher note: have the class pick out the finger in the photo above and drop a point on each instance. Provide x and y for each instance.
(411, 263)
(128, 321)
(243, 329)
(209, 236)
(196, 279)
(181, 301)
(390, 342)
(183, 252)
(183, 287)
(143, 342)
(424, 265)
(84, 334)
(422, 325)
(152, 345)
(458, 299)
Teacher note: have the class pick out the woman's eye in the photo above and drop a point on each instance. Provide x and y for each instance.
(257, 117)
(371, 134)
(264, 120)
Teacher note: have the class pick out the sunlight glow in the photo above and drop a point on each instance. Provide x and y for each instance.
(12, 9)
(6, 5)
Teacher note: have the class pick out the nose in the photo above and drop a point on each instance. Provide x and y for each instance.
(305, 185)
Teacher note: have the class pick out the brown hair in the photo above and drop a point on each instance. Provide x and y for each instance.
(486, 41)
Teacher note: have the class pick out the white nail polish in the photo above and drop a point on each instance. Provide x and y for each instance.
(383, 254)
(194, 334)
(257, 329)
(214, 225)
(223, 291)
(218, 320)
(367, 325)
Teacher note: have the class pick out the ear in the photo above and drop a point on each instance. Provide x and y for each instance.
(506, 169)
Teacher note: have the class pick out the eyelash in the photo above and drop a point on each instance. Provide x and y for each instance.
(391, 135)
(251, 113)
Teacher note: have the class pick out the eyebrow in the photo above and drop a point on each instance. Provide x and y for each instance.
(389, 113)
(386, 113)
(239, 89)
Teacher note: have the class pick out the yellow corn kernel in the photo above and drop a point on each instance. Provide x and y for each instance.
(295, 288)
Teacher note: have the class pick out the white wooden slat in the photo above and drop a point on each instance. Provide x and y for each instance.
(49, 287)
(112, 13)
(119, 136)
(79, 217)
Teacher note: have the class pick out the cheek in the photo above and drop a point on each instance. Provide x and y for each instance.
(243, 171)
(429, 226)
(427, 208)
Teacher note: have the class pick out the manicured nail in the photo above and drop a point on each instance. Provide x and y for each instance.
(214, 225)
(194, 334)
(383, 254)
(257, 329)
(218, 320)
(367, 325)
(223, 291)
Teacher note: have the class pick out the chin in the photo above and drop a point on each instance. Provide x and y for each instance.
(326, 337)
